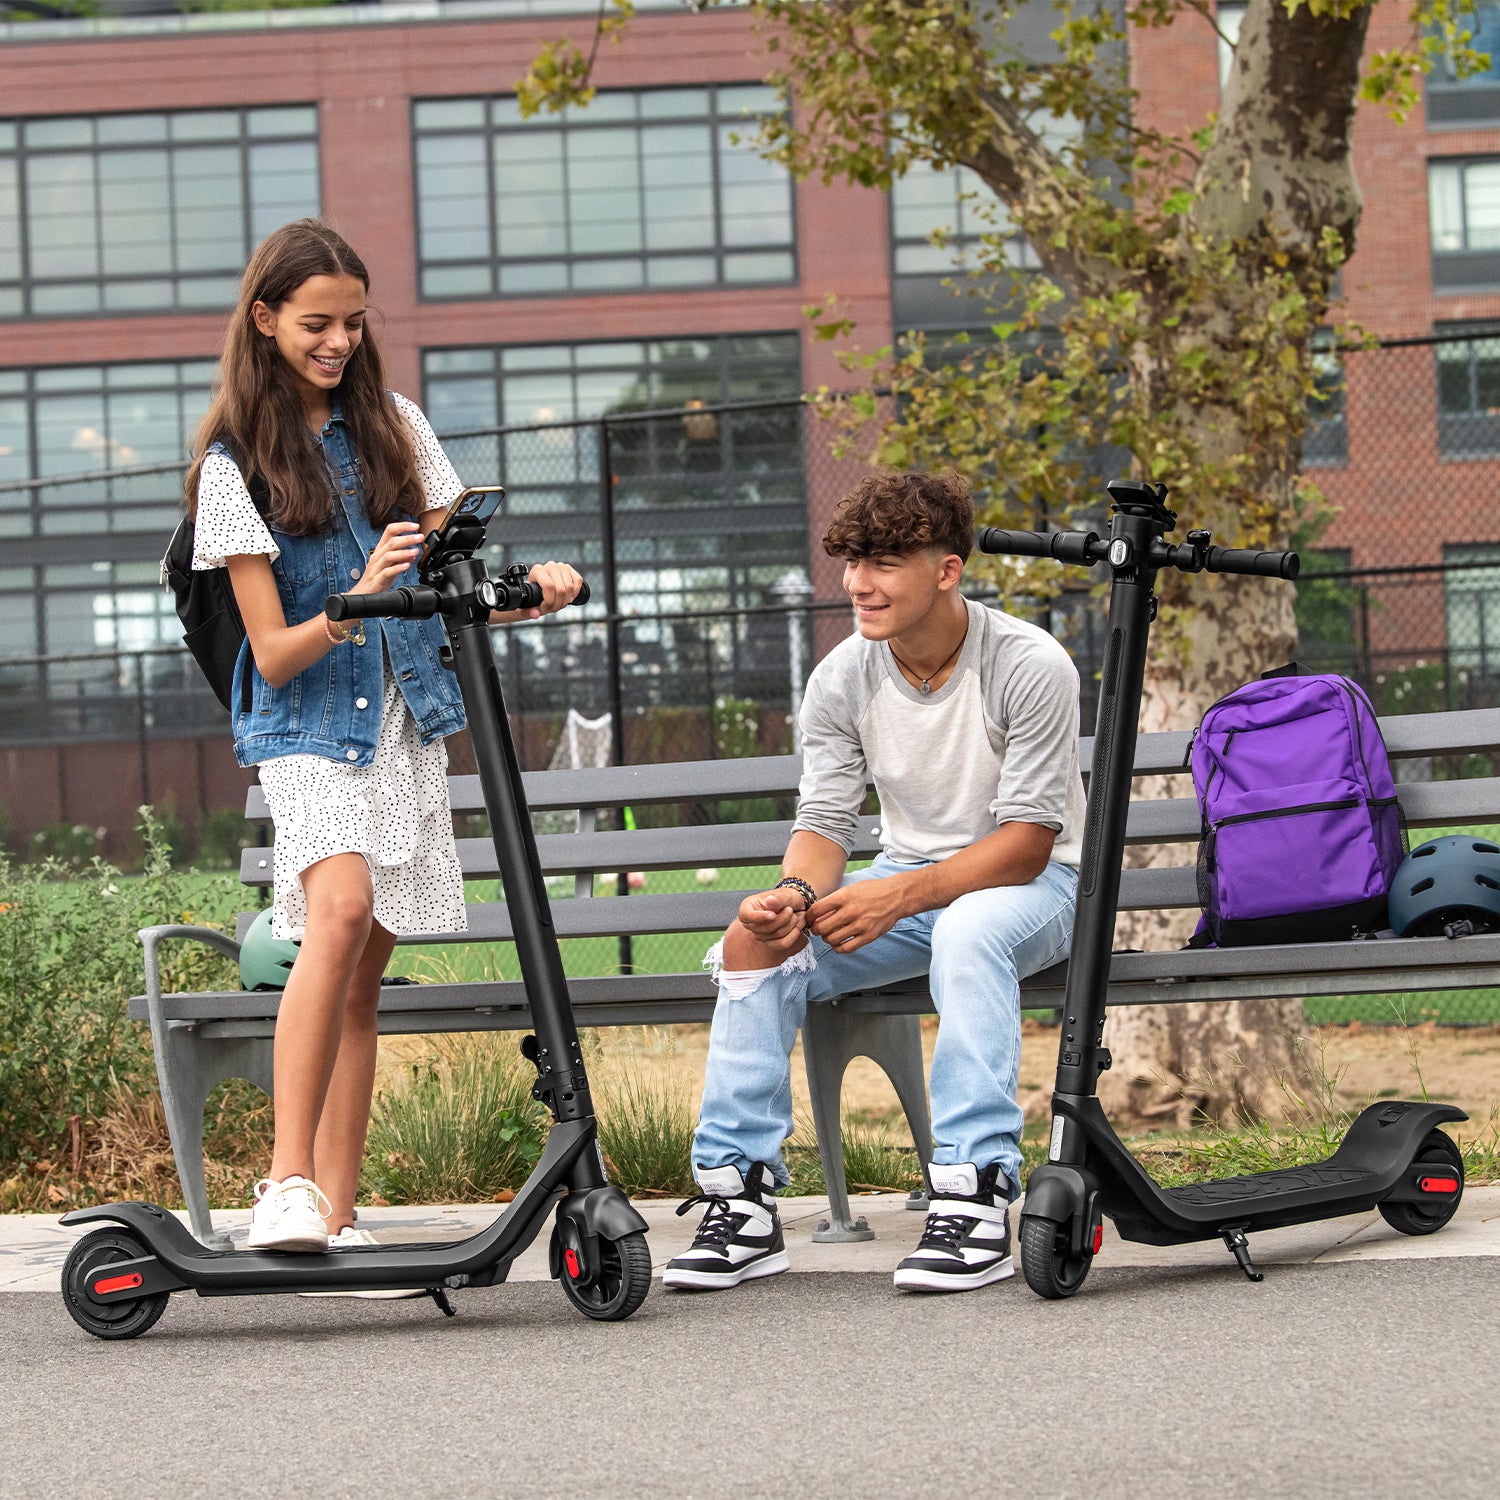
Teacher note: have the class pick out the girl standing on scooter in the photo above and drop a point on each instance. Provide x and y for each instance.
(345, 725)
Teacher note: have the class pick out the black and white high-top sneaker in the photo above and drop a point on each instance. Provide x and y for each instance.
(740, 1236)
(966, 1242)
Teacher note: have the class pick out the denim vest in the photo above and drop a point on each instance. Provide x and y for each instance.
(333, 708)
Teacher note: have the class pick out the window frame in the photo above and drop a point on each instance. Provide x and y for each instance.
(714, 121)
(27, 156)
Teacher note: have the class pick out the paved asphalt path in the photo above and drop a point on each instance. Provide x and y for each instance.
(1369, 1380)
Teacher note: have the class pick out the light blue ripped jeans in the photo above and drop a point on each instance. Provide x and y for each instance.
(975, 952)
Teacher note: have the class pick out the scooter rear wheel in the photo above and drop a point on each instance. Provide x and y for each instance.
(1047, 1261)
(623, 1279)
(1440, 1150)
(114, 1320)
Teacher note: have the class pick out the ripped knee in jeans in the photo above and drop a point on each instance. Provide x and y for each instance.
(737, 984)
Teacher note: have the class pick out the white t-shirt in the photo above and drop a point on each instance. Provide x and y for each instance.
(997, 743)
(228, 524)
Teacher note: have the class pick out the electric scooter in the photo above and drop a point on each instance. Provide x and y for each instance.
(116, 1281)
(1394, 1158)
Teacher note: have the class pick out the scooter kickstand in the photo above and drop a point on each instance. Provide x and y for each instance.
(439, 1296)
(1239, 1247)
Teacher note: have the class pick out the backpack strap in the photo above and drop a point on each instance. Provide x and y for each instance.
(260, 491)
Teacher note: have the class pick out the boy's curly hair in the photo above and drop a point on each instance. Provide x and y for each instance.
(900, 511)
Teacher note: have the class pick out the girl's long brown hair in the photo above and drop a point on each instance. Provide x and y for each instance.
(257, 404)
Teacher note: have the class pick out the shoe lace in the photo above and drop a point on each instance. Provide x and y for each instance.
(718, 1225)
(945, 1231)
(317, 1201)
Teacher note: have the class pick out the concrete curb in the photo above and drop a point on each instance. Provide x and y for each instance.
(34, 1246)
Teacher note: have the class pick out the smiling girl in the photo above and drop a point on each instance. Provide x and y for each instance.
(345, 726)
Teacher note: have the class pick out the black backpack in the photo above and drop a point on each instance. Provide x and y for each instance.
(212, 628)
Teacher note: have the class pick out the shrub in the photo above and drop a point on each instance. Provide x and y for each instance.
(646, 1133)
(70, 959)
(68, 845)
(460, 1127)
(221, 836)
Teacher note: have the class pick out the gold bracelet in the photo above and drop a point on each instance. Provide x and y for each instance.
(803, 889)
(338, 640)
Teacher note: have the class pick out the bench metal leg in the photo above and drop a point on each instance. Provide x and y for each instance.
(189, 1068)
(831, 1038)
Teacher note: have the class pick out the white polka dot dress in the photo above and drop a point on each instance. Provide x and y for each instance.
(395, 812)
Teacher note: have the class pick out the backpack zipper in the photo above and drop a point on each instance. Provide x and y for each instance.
(1287, 812)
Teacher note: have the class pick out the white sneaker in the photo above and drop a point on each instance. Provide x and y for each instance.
(346, 1239)
(740, 1237)
(966, 1241)
(289, 1216)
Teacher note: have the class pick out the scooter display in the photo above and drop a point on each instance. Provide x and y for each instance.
(1394, 1157)
(117, 1280)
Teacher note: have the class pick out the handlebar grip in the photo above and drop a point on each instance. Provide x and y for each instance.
(1064, 546)
(582, 596)
(1248, 560)
(404, 602)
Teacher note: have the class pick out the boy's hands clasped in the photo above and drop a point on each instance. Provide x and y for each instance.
(846, 919)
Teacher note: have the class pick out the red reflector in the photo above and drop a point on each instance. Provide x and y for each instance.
(1438, 1184)
(116, 1284)
(1098, 1237)
(570, 1260)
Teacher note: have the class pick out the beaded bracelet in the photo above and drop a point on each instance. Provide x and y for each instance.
(333, 635)
(808, 894)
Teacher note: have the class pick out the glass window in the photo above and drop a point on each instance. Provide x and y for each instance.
(1471, 590)
(708, 505)
(643, 188)
(147, 212)
(80, 421)
(1464, 205)
(955, 204)
(1468, 381)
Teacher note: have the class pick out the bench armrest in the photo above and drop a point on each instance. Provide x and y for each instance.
(153, 937)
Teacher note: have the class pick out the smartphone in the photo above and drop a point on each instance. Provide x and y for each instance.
(478, 503)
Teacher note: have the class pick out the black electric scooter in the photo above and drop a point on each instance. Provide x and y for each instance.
(1394, 1158)
(116, 1281)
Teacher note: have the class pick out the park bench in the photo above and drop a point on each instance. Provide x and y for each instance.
(202, 1039)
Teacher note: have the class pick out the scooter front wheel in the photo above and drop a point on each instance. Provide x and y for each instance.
(620, 1284)
(114, 1320)
(1047, 1261)
(1439, 1150)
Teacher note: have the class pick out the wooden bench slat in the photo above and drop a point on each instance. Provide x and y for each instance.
(1328, 968)
(1407, 736)
(1424, 804)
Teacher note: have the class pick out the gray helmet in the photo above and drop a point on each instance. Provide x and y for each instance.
(265, 961)
(1447, 881)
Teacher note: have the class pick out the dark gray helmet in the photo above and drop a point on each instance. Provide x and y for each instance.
(1447, 881)
(266, 961)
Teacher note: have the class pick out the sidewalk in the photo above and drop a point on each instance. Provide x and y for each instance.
(33, 1246)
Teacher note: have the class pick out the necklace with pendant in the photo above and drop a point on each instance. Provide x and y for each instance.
(924, 685)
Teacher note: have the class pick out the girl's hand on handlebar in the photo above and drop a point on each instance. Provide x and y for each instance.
(394, 553)
(559, 584)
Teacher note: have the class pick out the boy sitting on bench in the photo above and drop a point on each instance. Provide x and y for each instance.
(966, 720)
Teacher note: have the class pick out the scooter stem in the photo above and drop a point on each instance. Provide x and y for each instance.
(562, 1084)
(1134, 528)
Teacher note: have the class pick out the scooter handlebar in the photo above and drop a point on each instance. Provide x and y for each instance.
(1248, 560)
(421, 603)
(404, 603)
(1064, 546)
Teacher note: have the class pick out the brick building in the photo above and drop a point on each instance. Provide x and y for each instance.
(635, 255)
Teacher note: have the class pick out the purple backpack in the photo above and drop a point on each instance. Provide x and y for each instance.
(1301, 829)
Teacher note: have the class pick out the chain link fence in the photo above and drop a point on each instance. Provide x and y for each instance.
(699, 528)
